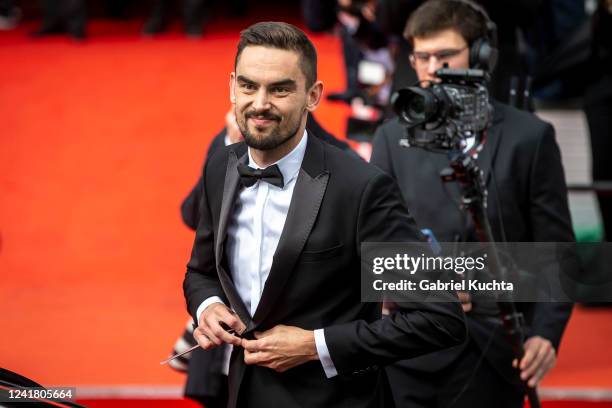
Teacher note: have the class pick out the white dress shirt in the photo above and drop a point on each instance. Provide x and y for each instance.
(254, 230)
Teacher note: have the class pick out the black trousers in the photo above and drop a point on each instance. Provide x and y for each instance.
(458, 385)
(205, 381)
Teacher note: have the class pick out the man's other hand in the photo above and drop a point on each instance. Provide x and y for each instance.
(540, 356)
(281, 348)
(233, 131)
(210, 333)
(466, 301)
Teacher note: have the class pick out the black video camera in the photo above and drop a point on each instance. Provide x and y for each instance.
(449, 115)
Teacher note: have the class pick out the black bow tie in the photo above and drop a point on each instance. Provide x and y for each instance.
(249, 175)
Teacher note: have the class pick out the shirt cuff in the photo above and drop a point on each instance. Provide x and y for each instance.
(204, 305)
(323, 352)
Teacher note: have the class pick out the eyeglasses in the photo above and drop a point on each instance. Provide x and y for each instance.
(423, 58)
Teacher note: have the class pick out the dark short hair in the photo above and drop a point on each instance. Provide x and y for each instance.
(282, 36)
(434, 16)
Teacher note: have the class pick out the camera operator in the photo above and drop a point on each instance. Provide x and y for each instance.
(512, 17)
(527, 202)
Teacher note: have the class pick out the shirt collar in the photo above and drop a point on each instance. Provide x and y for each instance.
(290, 164)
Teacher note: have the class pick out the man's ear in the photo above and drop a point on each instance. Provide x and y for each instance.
(313, 98)
(232, 86)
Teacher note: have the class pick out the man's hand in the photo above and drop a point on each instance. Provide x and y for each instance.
(540, 356)
(281, 348)
(211, 334)
(233, 131)
(466, 301)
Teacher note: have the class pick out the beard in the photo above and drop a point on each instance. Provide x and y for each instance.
(277, 136)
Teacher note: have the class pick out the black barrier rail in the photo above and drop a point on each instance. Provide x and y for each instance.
(601, 187)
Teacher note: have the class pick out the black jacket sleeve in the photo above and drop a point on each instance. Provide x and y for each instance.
(201, 279)
(550, 222)
(415, 328)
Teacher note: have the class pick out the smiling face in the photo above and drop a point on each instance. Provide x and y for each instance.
(268, 90)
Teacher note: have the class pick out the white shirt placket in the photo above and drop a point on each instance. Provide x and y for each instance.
(256, 273)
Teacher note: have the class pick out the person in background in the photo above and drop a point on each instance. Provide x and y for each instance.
(192, 12)
(9, 15)
(63, 16)
(527, 202)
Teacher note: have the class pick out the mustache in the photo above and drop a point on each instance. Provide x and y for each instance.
(262, 115)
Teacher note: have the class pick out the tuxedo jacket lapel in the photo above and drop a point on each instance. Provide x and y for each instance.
(230, 190)
(306, 201)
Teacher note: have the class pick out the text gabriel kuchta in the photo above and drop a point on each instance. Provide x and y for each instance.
(427, 285)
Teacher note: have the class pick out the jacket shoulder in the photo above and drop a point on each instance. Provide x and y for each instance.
(350, 171)
(221, 154)
(521, 121)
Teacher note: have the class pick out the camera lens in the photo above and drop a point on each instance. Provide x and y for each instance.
(416, 108)
(415, 105)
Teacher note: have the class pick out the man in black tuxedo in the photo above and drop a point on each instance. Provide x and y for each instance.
(276, 256)
(206, 374)
(527, 202)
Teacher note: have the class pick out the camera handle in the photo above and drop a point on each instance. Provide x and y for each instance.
(464, 170)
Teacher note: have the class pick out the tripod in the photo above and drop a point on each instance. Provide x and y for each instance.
(464, 170)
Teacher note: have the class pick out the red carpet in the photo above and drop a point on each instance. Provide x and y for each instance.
(99, 143)
(135, 403)
(189, 404)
